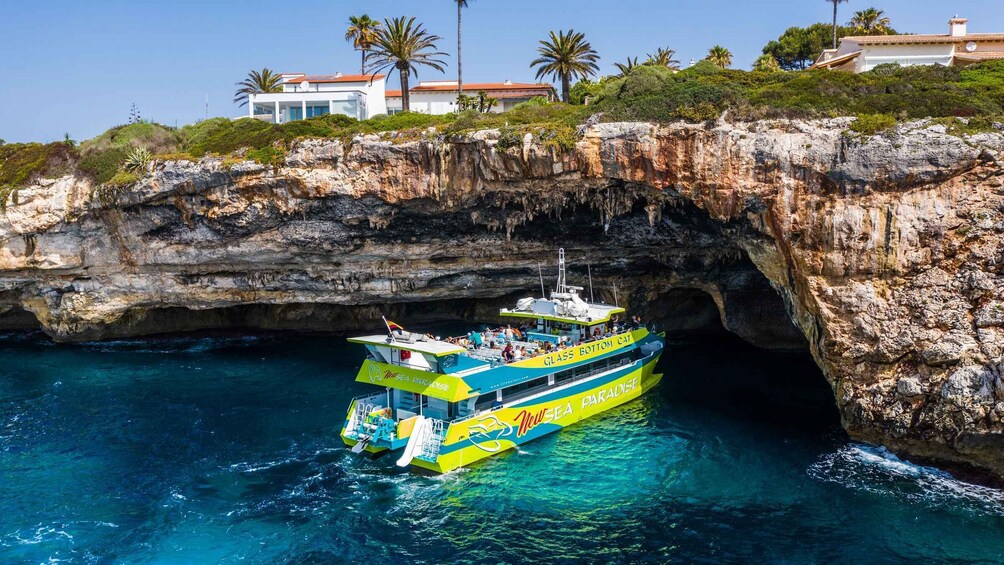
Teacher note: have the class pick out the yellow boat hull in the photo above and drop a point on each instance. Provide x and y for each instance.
(500, 430)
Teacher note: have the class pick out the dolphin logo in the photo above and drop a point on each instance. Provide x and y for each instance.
(487, 432)
(374, 373)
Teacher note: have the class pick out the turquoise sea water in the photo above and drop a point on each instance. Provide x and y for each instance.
(226, 449)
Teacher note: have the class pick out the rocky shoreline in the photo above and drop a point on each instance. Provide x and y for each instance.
(880, 254)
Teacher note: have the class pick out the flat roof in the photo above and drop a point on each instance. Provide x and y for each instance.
(431, 346)
(334, 78)
(475, 86)
(598, 313)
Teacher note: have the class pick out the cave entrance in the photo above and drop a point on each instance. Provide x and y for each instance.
(762, 373)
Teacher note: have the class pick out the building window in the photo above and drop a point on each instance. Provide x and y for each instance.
(347, 107)
(317, 110)
(294, 113)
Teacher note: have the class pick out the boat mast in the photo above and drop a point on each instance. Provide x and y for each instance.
(543, 293)
(589, 270)
(561, 269)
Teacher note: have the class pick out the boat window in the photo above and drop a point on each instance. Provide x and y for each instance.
(463, 409)
(436, 408)
(524, 388)
(485, 401)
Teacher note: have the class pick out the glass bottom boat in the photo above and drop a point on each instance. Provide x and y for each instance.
(447, 403)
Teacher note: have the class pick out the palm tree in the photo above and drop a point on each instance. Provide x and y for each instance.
(564, 56)
(835, 2)
(461, 4)
(720, 56)
(626, 68)
(663, 57)
(404, 44)
(362, 33)
(871, 21)
(766, 64)
(257, 82)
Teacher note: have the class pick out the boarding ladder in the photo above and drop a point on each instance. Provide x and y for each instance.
(432, 439)
(359, 413)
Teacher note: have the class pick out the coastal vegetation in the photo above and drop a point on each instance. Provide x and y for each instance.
(404, 44)
(257, 82)
(363, 32)
(871, 21)
(564, 56)
(720, 57)
(663, 57)
(879, 99)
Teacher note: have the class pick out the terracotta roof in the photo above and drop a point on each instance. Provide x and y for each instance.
(980, 55)
(504, 95)
(476, 86)
(922, 38)
(392, 94)
(334, 78)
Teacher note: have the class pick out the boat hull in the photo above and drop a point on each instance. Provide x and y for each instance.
(505, 428)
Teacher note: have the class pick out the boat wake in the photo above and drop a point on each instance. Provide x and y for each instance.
(876, 470)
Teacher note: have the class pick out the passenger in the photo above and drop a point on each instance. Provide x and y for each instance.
(508, 333)
(517, 354)
(507, 354)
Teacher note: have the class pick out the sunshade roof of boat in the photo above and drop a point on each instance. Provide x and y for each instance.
(432, 347)
(598, 313)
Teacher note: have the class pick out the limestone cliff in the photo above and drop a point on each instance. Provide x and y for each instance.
(883, 251)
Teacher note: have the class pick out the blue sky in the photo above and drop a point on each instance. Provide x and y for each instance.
(76, 67)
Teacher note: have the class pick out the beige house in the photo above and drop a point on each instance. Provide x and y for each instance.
(958, 47)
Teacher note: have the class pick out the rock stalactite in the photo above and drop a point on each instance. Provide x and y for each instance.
(880, 254)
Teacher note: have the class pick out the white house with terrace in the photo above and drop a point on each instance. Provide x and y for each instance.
(307, 96)
(958, 47)
(440, 97)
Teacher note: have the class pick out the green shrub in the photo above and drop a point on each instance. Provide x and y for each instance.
(102, 158)
(509, 137)
(22, 163)
(559, 137)
(137, 159)
(466, 120)
(102, 165)
(273, 156)
(968, 126)
(7, 194)
(123, 178)
(870, 124)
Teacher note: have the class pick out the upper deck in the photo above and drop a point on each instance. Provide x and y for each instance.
(570, 310)
(419, 344)
(463, 372)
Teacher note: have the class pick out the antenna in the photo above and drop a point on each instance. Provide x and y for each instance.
(561, 269)
(616, 303)
(589, 270)
(543, 294)
(207, 105)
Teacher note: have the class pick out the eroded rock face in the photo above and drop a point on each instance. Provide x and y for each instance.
(883, 252)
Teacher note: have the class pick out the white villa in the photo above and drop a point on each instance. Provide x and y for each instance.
(958, 47)
(306, 96)
(440, 97)
(364, 96)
